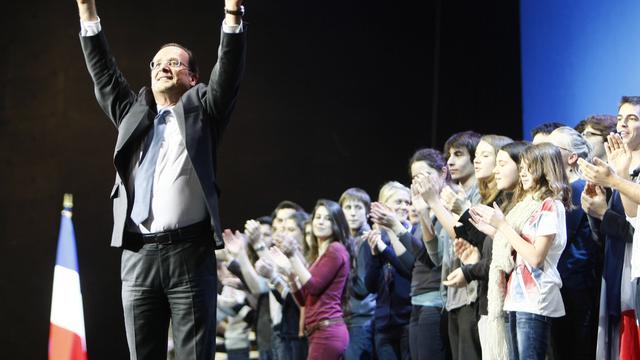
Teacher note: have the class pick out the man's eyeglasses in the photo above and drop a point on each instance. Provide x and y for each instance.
(173, 63)
(587, 134)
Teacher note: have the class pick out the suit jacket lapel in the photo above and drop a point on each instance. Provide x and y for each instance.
(139, 120)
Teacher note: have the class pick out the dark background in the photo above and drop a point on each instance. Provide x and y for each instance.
(336, 94)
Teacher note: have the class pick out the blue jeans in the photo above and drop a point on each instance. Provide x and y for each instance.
(360, 342)
(529, 335)
(238, 354)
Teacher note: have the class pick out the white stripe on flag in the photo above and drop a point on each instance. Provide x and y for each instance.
(66, 302)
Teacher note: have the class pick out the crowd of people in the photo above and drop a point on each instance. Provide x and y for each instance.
(498, 249)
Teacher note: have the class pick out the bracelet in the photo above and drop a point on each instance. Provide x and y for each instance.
(239, 12)
(259, 248)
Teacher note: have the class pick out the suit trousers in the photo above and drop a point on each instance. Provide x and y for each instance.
(177, 282)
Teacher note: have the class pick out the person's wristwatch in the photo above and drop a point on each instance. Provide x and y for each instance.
(239, 12)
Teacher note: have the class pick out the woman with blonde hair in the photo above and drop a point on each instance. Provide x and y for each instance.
(535, 228)
(389, 267)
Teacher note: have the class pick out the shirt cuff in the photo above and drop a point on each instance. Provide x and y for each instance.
(232, 29)
(90, 28)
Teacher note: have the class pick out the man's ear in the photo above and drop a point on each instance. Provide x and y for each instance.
(193, 79)
(573, 158)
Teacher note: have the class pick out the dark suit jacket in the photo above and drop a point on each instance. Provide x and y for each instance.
(202, 114)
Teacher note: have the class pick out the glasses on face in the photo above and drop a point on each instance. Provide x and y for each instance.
(172, 63)
(588, 133)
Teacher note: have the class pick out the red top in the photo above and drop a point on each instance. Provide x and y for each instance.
(322, 294)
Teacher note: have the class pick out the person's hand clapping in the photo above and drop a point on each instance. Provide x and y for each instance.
(594, 203)
(252, 230)
(383, 216)
(374, 239)
(466, 252)
(265, 268)
(235, 244)
(455, 202)
(481, 216)
(280, 260)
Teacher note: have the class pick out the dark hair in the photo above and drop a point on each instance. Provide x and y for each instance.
(340, 233)
(514, 150)
(465, 139)
(300, 218)
(356, 194)
(545, 128)
(604, 124)
(633, 100)
(433, 158)
(265, 220)
(581, 126)
(193, 64)
(286, 204)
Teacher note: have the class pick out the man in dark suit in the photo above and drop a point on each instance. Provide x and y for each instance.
(165, 198)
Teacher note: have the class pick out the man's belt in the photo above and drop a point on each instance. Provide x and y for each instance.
(321, 324)
(187, 233)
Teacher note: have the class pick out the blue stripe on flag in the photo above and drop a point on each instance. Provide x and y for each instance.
(67, 255)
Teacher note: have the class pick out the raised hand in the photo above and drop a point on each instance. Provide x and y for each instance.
(456, 202)
(233, 5)
(280, 260)
(618, 154)
(252, 229)
(417, 189)
(426, 188)
(287, 244)
(491, 215)
(383, 215)
(478, 219)
(235, 244)
(87, 10)
(598, 173)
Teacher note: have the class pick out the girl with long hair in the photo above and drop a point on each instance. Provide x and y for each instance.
(535, 228)
(321, 288)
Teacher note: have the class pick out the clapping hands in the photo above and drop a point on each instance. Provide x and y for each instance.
(235, 244)
(486, 219)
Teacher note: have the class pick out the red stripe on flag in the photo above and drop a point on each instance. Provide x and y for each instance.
(65, 345)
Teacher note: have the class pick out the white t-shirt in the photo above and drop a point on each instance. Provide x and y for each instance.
(537, 290)
(635, 254)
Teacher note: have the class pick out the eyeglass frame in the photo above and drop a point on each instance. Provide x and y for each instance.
(153, 66)
(587, 133)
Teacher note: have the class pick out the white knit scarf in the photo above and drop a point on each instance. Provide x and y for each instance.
(501, 265)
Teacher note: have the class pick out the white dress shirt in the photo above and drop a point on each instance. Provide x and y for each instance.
(177, 199)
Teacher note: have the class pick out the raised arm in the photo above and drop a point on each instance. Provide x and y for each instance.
(87, 10)
(112, 90)
(224, 82)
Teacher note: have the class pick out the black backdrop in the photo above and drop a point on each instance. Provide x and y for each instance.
(336, 94)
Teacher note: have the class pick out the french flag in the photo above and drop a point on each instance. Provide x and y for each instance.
(66, 333)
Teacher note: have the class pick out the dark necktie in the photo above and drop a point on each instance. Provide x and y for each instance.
(145, 174)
